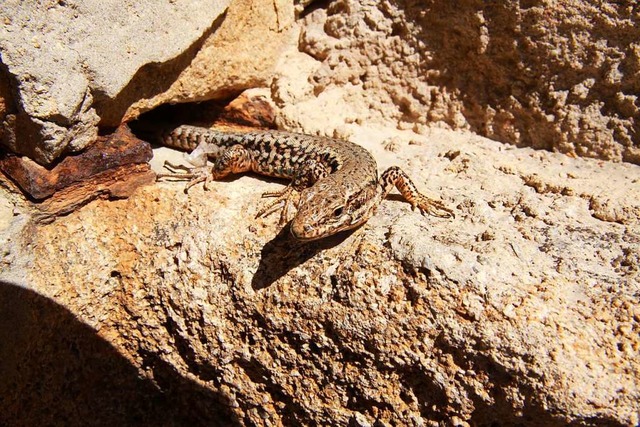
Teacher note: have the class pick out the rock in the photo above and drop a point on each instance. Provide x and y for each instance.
(521, 310)
(107, 154)
(241, 54)
(561, 79)
(386, 62)
(68, 78)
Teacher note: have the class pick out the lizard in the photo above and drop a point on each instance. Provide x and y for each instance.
(334, 184)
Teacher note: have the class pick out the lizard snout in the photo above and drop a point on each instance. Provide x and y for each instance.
(302, 231)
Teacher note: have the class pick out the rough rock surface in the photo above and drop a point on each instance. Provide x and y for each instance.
(563, 79)
(241, 54)
(529, 73)
(174, 308)
(66, 78)
(523, 309)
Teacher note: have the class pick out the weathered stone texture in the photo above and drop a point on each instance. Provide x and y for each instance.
(69, 63)
(522, 310)
(241, 54)
(173, 308)
(562, 78)
(540, 74)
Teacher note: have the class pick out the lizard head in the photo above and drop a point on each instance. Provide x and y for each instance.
(326, 209)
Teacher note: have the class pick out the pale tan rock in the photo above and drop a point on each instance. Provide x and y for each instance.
(240, 54)
(74, 65)
(558, 78)
(522, 309)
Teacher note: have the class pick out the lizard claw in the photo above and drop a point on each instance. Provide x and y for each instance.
(284, 199)
(195, 180)
(194, 175)
(432, 207)
(269, 209)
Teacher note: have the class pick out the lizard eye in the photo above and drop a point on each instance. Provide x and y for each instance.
(338, 211)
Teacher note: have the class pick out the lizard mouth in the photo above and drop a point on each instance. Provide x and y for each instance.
(308, 232)
(305, 233)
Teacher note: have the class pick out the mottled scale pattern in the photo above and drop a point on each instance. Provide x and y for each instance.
(281, 154)
(335, 183)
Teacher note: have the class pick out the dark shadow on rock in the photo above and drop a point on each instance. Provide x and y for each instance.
(163, 75)
(56, 370)
(284, 253)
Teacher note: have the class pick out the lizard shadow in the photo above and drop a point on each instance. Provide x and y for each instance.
(283, 253)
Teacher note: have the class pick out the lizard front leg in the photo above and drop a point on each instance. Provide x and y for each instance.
(284, 200)
(307, 175)
(396, 177)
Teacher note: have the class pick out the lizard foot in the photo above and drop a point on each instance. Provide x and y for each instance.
(195, 175)
(431, 207)
(394, 176)
(284, 199)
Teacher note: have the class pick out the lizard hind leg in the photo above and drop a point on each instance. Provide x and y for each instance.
(396, 177)
(180, 172)
(235, 159)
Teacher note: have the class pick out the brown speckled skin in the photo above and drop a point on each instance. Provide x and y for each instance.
(335, 182)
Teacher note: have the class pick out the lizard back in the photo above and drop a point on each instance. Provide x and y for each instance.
(280, 154)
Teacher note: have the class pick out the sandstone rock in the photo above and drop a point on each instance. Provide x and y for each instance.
(169, 307)
(521, 310)
(241, 54)
(521, 78)
(563, 79)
